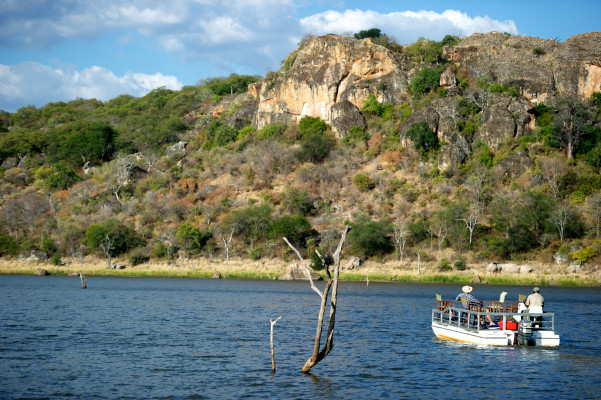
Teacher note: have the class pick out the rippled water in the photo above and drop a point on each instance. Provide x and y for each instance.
(178, 338)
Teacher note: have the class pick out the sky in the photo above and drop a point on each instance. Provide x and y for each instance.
(60, 50)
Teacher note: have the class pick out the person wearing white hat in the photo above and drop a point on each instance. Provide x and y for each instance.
(466, 290)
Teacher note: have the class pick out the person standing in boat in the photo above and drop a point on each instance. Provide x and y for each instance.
(466, 290)
(535, 303)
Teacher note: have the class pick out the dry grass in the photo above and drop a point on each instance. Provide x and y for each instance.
(237, 268)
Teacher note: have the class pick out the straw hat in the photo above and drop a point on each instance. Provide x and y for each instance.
(466, 289)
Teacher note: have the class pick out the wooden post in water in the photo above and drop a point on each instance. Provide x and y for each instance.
(84, 282)
(367, 284)
(271, 344)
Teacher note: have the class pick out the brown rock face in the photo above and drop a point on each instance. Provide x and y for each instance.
(331, 76)
(538, 67)
(327, 71)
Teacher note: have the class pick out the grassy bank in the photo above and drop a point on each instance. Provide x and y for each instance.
(543, 275)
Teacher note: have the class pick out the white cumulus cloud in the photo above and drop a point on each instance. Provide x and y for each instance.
(405, 26)
(26, 81)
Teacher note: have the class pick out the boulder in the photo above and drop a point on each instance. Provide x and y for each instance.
(526, 269)
(34, 256)
(514, 165)
(216, 275)
(560, 258)
(89, 168)
(477, 279)
(497, 125)
(493, 267)
(454, 152)
(178, 148)
(10, 162)
(346, 115)
(509, 268)
(427, 115)
(354, 262)
(297, 272)
(41, 272)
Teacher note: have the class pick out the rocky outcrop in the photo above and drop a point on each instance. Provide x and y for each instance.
(328, 70)
(330, 76)
(297, 272)
(537, 67)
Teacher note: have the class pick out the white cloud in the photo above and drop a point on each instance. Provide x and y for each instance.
(21, 83)
(405, 26)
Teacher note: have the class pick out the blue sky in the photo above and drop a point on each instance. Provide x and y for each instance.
(58, 50)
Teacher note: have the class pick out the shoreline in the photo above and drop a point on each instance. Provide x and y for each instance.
(273, 269)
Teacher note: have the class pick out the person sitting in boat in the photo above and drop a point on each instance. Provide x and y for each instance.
(472, 299)
(535, 303)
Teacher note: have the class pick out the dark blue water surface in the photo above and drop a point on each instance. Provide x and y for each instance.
(181, 338)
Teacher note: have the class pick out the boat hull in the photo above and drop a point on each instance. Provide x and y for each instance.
(491, 337)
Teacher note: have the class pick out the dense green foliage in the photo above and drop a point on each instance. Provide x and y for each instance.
(424, 139)
(425, 80)
(122, 238)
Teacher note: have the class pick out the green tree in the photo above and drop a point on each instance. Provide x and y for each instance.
(370, 33)
(425, 80)
(251, 223)
(311, 126)
(370, 238)
(296, 229)
(363, 182)
(424, 139)
(297, 201)
(81, 141)
(112, 238)
(191, 238)
(59, 176)
(315, 147)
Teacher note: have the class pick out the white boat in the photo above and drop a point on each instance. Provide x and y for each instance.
(515, 327)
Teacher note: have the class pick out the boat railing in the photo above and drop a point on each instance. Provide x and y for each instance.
(474, 318)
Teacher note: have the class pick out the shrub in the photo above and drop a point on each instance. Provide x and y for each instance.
(363, 182)
(538, 51)
(460, 263)
(315, 147)
(356, 135)
(138, 257)
(56, 259)
(424, 139)
(311, 126)
(425, 80)
(256, 253)
(445, 265)
(370, 238)
(584, 255)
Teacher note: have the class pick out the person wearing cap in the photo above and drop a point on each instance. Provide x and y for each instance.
(535, 301)
(466, 290)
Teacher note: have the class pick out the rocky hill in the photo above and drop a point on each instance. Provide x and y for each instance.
(487, 146)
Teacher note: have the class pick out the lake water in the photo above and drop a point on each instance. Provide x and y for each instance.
(132, 338)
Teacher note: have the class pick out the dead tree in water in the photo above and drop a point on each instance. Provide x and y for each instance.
(332, 284)
(271, 344)
(84, 282)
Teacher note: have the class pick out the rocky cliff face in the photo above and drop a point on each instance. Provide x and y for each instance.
(332, 75)
(329, 79)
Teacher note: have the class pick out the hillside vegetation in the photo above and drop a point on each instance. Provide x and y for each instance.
(179, 174)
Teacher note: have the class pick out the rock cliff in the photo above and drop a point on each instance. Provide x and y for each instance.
(330, 76)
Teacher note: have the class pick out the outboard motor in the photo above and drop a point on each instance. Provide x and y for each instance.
(524, 332)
